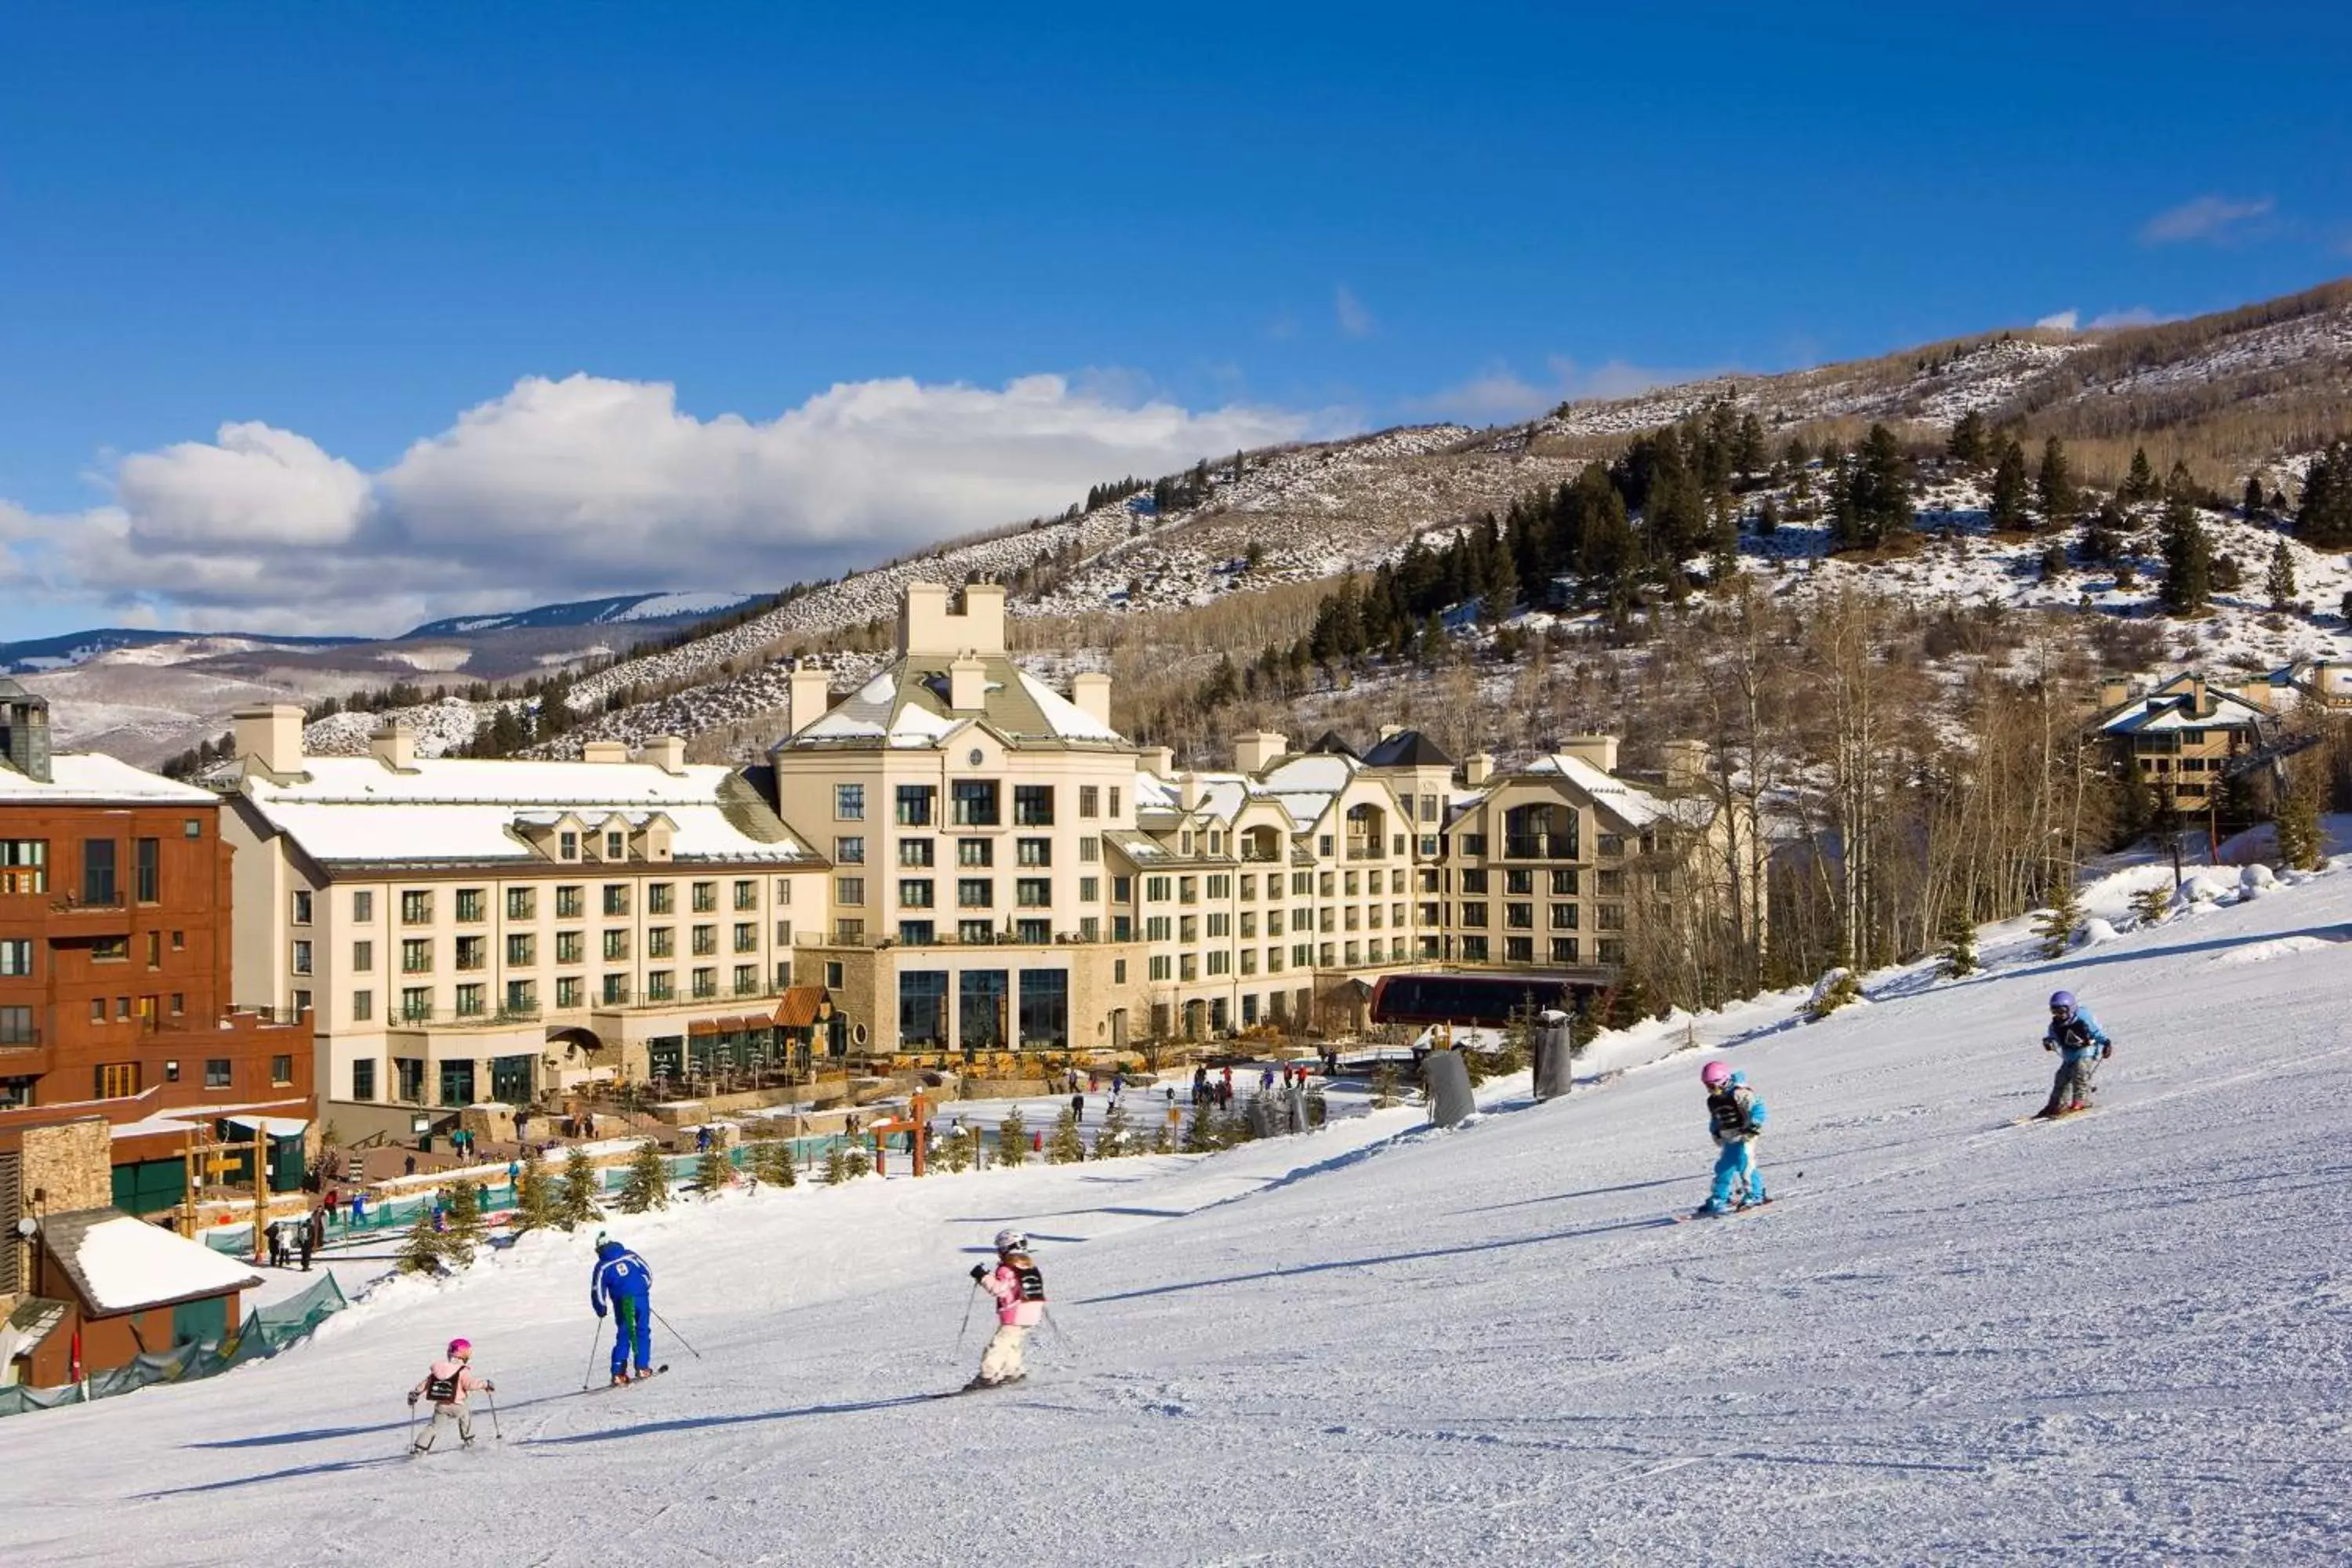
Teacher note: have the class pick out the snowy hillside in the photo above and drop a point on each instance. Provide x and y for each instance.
(588, 613)
(1952, 1339)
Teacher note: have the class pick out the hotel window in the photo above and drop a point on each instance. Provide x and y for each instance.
(661, 899)
(1162, 969)
(416, 955)
(1157, 889)
(1518, 950)
(1089, 890)
(1612, 844)
(217, 1072)
(302, 960)
(616, 847)
(1033, 892)
(408, 1075)
(706, 897)
(1563, 949)
(616, 898)
(473, 952)
(747, 936)
(301, 916)
(616, 945)
(1474, 950)
(469, 1000)
(747, 893)
(973, 803)
(1563, 917)
(1034, 852)
(363, 1007)
(1188, 929)
(1111, 799)
(1519, 917)
(975, 892)
(1122, 928)
(661, 986)
(116, 1079)
(783, 893)
(1611, 884)
(16, 956)
(24, 866)
(522, 997)
(1033, 805)
(1158, 928)
(849, 802)
(616, 990)
(1519, 883)
(567, 991)
(1612, 949)
(1188, 966)
(568, 947)
(849, 850)
(1563, 884)
(975, 852)
(705, 940)
(915, 892)
(916, 851)
(416, 908)
(98, 864)
(364, 1078)
(1609, 917)
(472, 907)
(567, 845)
(571, 902)
(783, 933)
(661, 941)
(1089, 801)
(916, 933)
(1037, 932)
(975, 933)
(1122, 889)
(917, 805)
(850, 890)
(522, 903)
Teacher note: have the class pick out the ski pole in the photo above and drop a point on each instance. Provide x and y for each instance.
(968, 1302)
(412, 1425)
(492, 1395)
(1059, 1333)
(595, 1334)
(675, 1334)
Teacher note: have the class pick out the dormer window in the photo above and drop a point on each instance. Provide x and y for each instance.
(567, 847)
(616, 847)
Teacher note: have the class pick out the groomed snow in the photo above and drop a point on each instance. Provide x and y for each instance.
(1954, 1340)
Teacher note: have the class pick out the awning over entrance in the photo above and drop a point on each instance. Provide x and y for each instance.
(803, 1006)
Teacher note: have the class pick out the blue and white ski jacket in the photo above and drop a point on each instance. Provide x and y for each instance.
(620, 1275)
(2078, 1036)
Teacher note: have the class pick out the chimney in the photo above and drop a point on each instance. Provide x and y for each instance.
(269, 739)
(1188, 791)
(808, 694)
(1597, 751)
(1257, 751)
(1477, 768)
(667, 753)
(967, 685)
(922, 619)
(395, 745)
(2196, 709)
(604, 752)
(984, 616)
(1091, 692)
(1687, 764)
(25, 731)
(1158, 761)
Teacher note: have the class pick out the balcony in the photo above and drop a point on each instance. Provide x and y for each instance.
(487, 1018)
(1540, 846)
(1367, 849)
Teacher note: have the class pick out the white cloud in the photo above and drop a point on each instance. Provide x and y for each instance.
(2131, 315)
(1354, 320)
(2060, 321)
(585, 486)
(2215, 219)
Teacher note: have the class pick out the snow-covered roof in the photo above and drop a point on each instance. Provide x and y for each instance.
(2174, 709)
(118, 1264)
(1631, 804)
(908, 705)
(357, 810)
(78, 777)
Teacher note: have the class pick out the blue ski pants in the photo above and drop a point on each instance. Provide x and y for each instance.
(1736, 1163)
(632, 1326)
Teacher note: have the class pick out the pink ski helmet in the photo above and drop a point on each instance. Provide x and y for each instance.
(1714, 1075)
(460, 1347)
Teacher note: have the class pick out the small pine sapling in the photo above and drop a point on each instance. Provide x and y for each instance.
(577, 1206)
(466, 1230)
(837, 1164)
(647, 1185)
(1012, 1138)
(2152, 904)
(1111, 1142)
(859, 1162)
(1959, 936)
(2062, 923)
(953, 1153)
(535, 1205)
(426, 1249)
(1067, 1145)
(714, 1171)
(1200, 1132)
(1837, 989)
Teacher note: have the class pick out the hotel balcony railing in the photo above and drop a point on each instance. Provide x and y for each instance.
(1540, 846)
(1367, 849)
(450, 1018)
(877, 940)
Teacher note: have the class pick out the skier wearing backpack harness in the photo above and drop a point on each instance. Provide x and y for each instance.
(446, 1384)
(622, 1278)
(2082, 1045)
(1735, 1119)
(1019, 1291)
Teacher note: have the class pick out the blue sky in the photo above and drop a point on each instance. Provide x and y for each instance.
(337, 229)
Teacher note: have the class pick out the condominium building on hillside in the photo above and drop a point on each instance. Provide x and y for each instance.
(489, 930)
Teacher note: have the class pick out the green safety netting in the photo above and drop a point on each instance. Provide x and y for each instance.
(266, 1330)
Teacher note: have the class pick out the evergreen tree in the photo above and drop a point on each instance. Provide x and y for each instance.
(2187, 560)
(1111, 1142)
(1959, 937)
(2103, 535)
(1163, 1137)
(1767, 518)
(1796, 454)
(1583, 1028)
(426, 1249)
(2062, 923)
(1837, 989)
(648, 1185)
(772, 1162)
(2254, 498)
(714, 1173)
(577, 1204)
(2301, 847)
(2152, 904)
(535, 1206)
(2140, 485)
(2279, 584)
(1201, 1132)
(2054, 485)
(2322, 517)
(1747, 450)
(466, 1230)
(1067, 1145)
(837, 1163)
(952, 1153)
(2006, 513)
(1012, 1140)
(1970, 442)
(857, 1164)
(2054, 562)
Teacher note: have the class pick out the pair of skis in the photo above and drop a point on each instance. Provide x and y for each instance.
(1733, 1213)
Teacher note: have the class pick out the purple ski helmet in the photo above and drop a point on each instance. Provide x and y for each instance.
(2061, 1001)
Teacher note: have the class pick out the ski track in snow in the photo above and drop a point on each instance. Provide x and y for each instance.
(2118, 1339)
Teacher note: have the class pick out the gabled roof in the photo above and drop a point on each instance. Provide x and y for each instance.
(906, 706)
(1636, 807)
(1331, 744)
(456, 810)
(2172, 706)
(118, 1264)
(1407, 749)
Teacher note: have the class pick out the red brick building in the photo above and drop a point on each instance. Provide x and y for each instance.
(114, 964)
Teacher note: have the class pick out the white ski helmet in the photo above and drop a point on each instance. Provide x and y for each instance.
(1011, 1240)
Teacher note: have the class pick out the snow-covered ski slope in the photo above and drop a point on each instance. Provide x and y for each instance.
(2119, 1338)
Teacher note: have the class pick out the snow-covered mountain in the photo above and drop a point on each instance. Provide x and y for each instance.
(623, 608)
(34, 655)
(1950, 1339)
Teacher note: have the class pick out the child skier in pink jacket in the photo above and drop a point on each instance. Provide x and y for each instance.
(446, 1384)
(1019, 1291)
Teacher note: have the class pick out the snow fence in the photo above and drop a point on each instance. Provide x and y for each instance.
(266, 1330)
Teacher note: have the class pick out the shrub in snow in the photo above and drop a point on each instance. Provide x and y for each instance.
(2301, 844)
(772, 1162)
(953, 1153)
(1067, 1146)
(1112, 1140)
(577, 1206)
(1200, 1132)
(836, 1165)
(647, 1186)
(713, 1171)
(858, 1161)
(2152, 904)
(1832, 990)
(1012, 1140)
(1960, 933)
(2061, 925)
(535, 1207)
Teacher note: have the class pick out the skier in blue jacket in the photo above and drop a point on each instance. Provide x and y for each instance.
(1735, 1119)
(2080, 1046)
(623, 1279)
